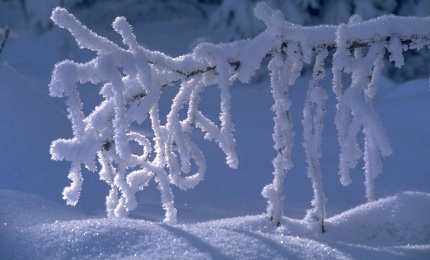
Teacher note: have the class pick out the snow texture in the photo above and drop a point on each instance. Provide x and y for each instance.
(394, 232)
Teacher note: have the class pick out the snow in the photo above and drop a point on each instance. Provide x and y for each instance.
(395, 232)
(222, 217)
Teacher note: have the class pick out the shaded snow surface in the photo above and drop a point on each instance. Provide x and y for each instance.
(213, 223)
(386, 228)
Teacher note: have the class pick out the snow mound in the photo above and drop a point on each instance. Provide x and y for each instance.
(20, 209)
(397, 226)
(398, 220)
(126, 238)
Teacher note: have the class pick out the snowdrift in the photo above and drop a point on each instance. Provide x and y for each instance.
(397, 226)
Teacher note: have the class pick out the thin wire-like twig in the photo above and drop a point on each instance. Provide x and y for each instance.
(33, 87)
(5, 38)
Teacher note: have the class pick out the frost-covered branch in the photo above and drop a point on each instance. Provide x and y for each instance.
(281, 73)
(313, 125)
(380, 29)
(133, 79)
(355, 108)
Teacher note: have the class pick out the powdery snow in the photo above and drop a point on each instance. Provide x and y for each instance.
(386, 228)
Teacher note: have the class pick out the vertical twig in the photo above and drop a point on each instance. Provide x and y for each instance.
(5, 38)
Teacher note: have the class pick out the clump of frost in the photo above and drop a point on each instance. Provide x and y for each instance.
(355, 110)
(360, 50)
(284, 73)
(132, 81)
(289, 56)
(313, 124)
(388, 35)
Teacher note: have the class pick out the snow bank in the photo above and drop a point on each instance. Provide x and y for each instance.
(124, 239)
(20, 211)
(399, 220)
(397, 226)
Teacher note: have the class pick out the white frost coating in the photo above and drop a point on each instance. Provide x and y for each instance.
(85, 38)
(212, 55)
(373, 164)
(388, 26)
(355, 108)
(253, 54)
(72, 193)
(178, 140)
(280, 70)
(396, 52)
(273, 19)
(378, 65)
(262, 44)
(133, 79)
(313, 125)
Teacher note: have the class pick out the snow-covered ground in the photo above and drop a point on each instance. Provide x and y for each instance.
(223, 217)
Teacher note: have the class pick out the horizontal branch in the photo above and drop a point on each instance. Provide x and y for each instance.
(278, 35)
(363, 34)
